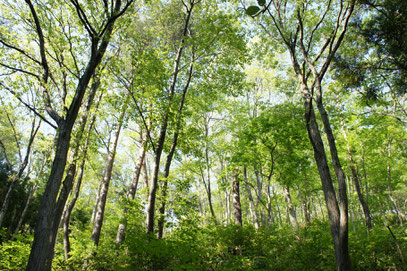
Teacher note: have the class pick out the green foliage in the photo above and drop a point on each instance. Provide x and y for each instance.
(14, 253)
(217, 247)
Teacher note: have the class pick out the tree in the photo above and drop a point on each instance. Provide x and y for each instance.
(312, 42)
(99, 31)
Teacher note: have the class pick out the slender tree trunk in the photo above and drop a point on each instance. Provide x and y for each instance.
(355, 175)
(278, 207)
(389, 187)
(208, 175)
(161, 140)
(100, 210)
(260, 194)
(170, 155)
(71, 205)
(251, 200)
(27, 203)
(291, 210)
(134, 184)
(227, 203)
(237, 208)
(305, 205)
(22, 167)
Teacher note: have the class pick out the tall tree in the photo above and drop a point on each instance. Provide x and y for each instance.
(99, 28)
(312, 41)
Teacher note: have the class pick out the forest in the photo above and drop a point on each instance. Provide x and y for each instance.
(203, 135)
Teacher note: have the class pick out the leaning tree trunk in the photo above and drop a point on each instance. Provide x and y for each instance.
(27, 203)
(237, 208)
(17, 177)
(100, 210)
(355, 175)
(389, 187)
(338, 217)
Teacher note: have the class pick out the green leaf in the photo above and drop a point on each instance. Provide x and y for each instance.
(261, 2)
(252, 10)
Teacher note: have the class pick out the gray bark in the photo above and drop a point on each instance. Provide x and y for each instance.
(100, 210)
(291, 210)
(252, 206)
(237, 208)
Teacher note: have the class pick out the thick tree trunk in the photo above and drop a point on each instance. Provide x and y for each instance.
(237, 208)
(42, 251)
(291, 210)
(338, 217)
(100, 211)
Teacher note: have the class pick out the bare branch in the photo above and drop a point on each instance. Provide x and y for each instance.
(20, 70)
(19, 50)
(44, 62)
(28, 106)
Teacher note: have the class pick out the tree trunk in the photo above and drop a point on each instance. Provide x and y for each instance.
(71, 205)
(390, 190)
(305, 205)
(27, 203)
(161, 140)
(134, 183)
(291, 210)
(355, 175)
(260, 194)
(338, 217)
(17, 177)
(100, 210)
(237, 208)
(251, 200)
(172, 152)
(42, 251)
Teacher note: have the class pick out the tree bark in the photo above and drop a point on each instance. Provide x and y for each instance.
(100, 210)
(134, 184)
(252, 206)
(71, 205)
(291, 210)
(42, 251)
(237, 208)
(355, 175)
(22, 167)
(164, 124)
